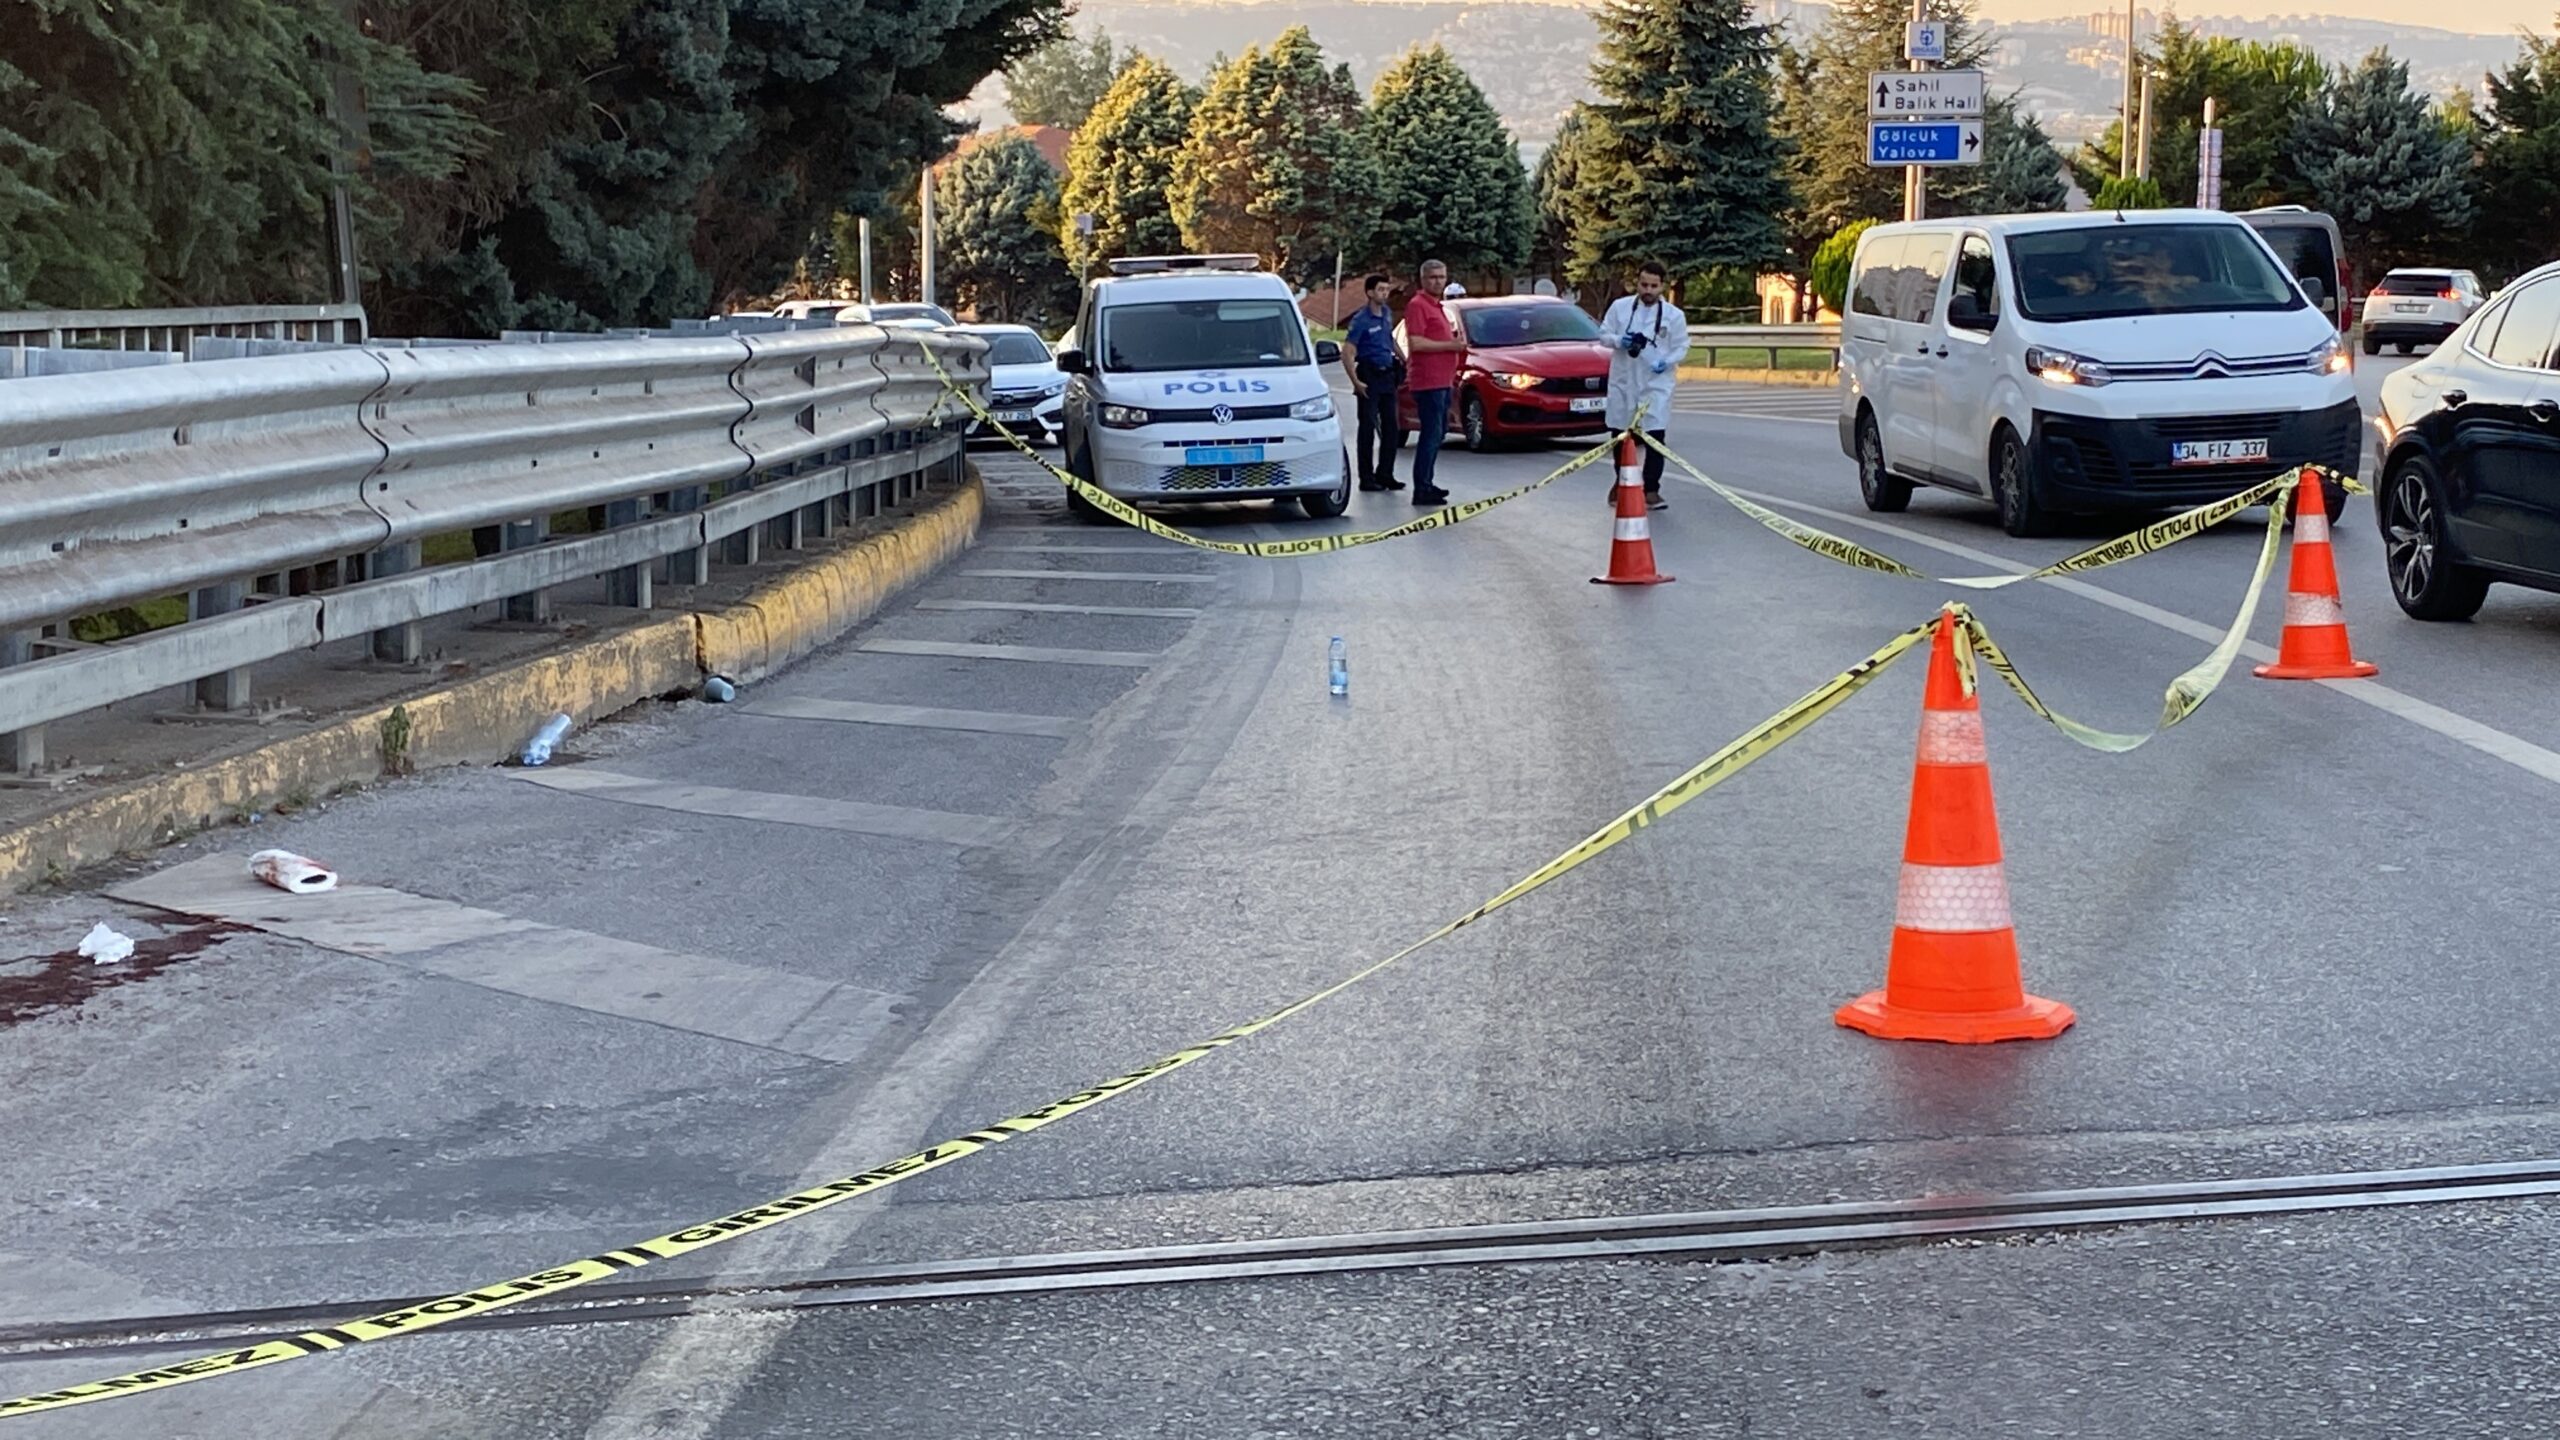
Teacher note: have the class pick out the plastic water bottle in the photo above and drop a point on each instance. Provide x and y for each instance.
(1338, 668)
(537, 751)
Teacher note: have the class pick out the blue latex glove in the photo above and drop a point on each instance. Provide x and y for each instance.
(1660, 364)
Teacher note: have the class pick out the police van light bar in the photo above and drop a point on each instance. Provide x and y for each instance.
(1164, 264)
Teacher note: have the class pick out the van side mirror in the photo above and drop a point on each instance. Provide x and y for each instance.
(1328, 353)
(1072, 362)
(1964, 312)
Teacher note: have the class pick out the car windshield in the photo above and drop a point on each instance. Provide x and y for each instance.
(2097, 272)
(1013, 347)
(1202, 335)
(1493, 326)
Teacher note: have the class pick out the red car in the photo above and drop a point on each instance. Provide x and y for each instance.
(1535, 367)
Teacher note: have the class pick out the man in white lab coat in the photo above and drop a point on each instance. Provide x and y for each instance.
(1649, 337)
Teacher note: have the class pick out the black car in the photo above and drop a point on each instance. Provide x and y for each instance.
(2471, 457)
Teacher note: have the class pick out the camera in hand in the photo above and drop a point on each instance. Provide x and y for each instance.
(1636, 341)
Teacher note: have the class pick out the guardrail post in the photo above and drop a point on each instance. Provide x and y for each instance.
(398, 644)
(691, 566)
(21, 751)
(228, 691)
(630, 584)
(533, 608)
(746, 547)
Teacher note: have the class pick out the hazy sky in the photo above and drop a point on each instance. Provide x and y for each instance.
(2485, 16)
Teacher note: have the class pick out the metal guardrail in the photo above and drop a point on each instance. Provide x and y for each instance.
(287, 496)
(175, 331)
(1768, 338)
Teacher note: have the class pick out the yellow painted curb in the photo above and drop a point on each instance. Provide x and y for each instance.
(481, 721)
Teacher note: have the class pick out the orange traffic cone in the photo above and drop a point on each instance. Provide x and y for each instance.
(1953, 971)
(1631, 549)
(2315, 645)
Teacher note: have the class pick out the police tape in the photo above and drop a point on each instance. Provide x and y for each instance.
(2186, 524)
(1723, 765)
(1128, 514)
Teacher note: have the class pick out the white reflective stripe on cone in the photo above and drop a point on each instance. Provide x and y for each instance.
(1631, 475)
(2311, 515)
(1952, 737)
(1952, 898)
(2302, 609)
(1633, 528)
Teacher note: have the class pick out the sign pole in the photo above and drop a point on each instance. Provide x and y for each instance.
(1915, 179)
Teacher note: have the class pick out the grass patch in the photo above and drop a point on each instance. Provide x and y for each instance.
(1760, 358)
(128, 621)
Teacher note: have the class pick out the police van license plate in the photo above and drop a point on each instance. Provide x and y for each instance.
(1222, 455)
(1589, 404)
(1013, 417)
(2216, 452)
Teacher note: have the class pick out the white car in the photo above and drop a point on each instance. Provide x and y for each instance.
(2086, 362)
(810, 309)
(907, 313)
(2411, 308)
(1193, 378)
(1026, 390)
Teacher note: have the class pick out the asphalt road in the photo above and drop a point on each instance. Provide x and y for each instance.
(2304, 932)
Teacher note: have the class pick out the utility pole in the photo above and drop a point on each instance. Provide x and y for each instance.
(862, 227)
(344, 105)
(1915, 179)
(924, 247)
(1337, 289)
(2124, 132)
(2142, 155)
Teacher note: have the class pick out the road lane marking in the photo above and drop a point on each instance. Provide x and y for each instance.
(1056, 548)
(1164, 578)
(1030, 654)
(922, 717)
(2461, 729)
(774, 1010)
(894, 822)
(1143, 612)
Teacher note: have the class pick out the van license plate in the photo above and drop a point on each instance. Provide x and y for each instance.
(2216, 452)
(1589, 404)
(1228, 455)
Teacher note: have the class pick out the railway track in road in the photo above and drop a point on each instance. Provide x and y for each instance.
(1719, 1235)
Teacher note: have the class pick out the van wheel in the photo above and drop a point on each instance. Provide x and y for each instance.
(1885, 492)
(2013, 486)
(1471, 423)
(1081, 466)
(1333, 502)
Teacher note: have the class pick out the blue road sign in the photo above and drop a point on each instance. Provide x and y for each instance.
(1940, 142)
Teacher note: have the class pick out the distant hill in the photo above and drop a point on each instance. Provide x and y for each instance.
(1533, 57)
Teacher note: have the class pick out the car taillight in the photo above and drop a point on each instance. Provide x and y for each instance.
(2448, 295)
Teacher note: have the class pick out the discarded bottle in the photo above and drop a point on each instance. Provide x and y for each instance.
(719, 690)
(1338, 669)
(537, 751)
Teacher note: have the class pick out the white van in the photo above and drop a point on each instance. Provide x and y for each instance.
(2086, 362)
(1192, 378)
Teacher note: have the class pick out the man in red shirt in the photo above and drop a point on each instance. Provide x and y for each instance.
(1433, 346)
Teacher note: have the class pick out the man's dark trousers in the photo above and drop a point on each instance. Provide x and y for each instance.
(1431, 427)
(1381, 433)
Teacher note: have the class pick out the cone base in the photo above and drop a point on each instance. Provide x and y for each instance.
(2349, 670)
(2037, 1019)
(1633, 579)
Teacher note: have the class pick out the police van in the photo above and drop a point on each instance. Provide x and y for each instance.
(1192, 378)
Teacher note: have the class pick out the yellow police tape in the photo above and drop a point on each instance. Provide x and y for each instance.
(2184, 525)
(1128, 514)
(410, 1319)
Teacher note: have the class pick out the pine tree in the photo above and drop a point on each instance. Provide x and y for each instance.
(995, 211)
(2519, 173)
(1060, 83)
(1681, 165)
(1451, 182)
(2020, 173)
(1276, 163)
(2379, 159)
(1557, 189)
(2259, 91)
(1121, 164)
